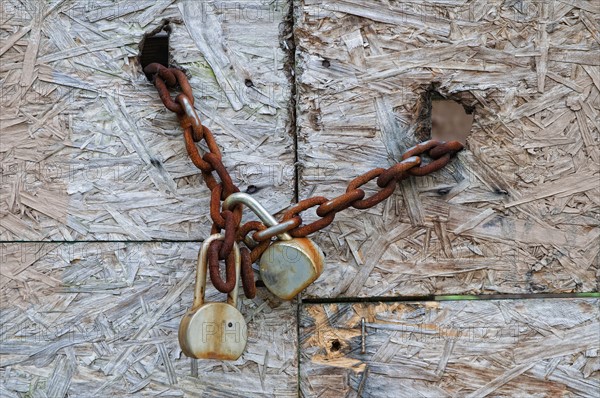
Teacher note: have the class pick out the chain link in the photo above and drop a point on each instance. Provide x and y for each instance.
(247, 274)
(227, 285)
(386, 180)
(211, 162)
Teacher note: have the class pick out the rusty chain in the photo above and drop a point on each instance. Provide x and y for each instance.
(386, 180)
(194, 131)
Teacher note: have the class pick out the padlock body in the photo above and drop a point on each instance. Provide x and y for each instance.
(213, 331)
(289, 266)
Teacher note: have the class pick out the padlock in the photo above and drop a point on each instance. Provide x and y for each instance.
(213, 330)
(290, 264)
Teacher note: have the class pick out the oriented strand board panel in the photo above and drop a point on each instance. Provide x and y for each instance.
(88, 151)
(101, 319)
(505, 348)
(517, 211)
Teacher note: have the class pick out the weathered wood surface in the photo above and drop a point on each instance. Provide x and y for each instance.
(506, 348)
(517, 211)
(88, 151)
(101, 319)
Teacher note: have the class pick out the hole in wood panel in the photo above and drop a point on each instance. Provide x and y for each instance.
(335, 345)
(450, 121)
(446, 117)
(154, 47)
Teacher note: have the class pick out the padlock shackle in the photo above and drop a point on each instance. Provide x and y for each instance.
(201, 266)
(258, 209)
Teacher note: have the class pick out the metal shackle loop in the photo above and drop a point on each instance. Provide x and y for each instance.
(258, 209)
(278, 229)
(201, 266)
(190, 112)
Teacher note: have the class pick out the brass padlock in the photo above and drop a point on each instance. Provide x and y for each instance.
(290, 264)
(213, 330)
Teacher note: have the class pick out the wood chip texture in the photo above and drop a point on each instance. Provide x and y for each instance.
(101, 319)
(526, 348)
(89, 152)
(102, 212)
(90, 158)
(517, 210)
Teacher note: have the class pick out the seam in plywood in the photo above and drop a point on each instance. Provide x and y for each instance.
(288, 42)
(387, 299)
(58, 242)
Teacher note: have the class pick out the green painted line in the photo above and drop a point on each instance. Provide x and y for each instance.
(589, 294)
(457, 297)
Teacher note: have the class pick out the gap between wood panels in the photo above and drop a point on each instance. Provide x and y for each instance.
(288, 41)
(386, 299)
(59, 242)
